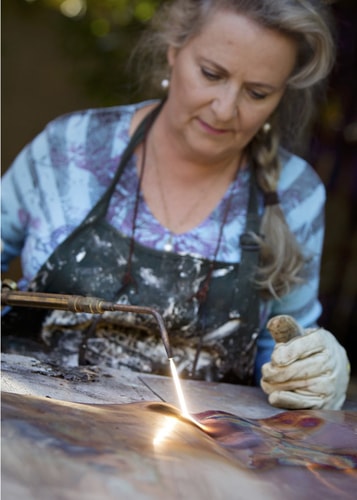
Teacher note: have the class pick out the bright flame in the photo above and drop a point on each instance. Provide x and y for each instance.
(179, 391)
(170, 422)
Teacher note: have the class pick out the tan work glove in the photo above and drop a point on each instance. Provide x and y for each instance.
(311, 370)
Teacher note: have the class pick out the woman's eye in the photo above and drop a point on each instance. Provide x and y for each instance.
(255, 94)
(210, 75)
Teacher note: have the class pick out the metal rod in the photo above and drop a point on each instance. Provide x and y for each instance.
(79, 303)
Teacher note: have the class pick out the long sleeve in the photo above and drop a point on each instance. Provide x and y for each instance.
(55, 181)
(304, 204)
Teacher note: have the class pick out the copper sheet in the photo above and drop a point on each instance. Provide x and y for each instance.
(55, 449)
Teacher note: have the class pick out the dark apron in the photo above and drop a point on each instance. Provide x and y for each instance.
(93, 261)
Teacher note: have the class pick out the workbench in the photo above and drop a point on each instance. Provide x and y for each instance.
(92, 433)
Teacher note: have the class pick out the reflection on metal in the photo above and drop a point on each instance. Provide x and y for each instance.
(52, 448)
(165, 430)
(288, 438)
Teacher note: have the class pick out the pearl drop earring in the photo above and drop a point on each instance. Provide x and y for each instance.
(266, 127)
(165, 83)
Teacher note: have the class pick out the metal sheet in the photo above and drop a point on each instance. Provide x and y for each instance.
(63, 450)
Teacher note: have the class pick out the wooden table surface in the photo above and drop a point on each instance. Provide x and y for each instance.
(26, 375)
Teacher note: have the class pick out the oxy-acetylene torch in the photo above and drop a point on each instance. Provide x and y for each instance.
(11, 296)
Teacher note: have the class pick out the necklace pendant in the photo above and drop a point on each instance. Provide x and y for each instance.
(168, 246)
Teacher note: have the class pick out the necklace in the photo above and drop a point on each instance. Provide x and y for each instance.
(169, 245)
(128, 278)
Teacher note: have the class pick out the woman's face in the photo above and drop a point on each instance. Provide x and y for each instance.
(225, 83)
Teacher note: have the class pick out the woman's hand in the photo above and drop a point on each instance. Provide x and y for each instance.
(309, 371)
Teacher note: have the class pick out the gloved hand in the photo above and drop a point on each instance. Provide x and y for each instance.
(309, 371)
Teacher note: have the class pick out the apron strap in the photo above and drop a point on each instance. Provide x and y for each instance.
(100, 209)
(250, 260)
(242, 347)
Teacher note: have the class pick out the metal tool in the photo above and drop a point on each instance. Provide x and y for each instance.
(76, 303)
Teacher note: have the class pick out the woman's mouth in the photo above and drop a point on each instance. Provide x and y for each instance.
(212, 130)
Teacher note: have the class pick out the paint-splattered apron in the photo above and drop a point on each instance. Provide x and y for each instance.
(93, 261)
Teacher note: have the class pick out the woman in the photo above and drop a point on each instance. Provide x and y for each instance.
(207, 219)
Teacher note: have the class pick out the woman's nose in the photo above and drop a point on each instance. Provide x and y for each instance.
(225, 104)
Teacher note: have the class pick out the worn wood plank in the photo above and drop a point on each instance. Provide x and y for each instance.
(26, 375)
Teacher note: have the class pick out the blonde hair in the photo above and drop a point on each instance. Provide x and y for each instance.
(309, 24)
